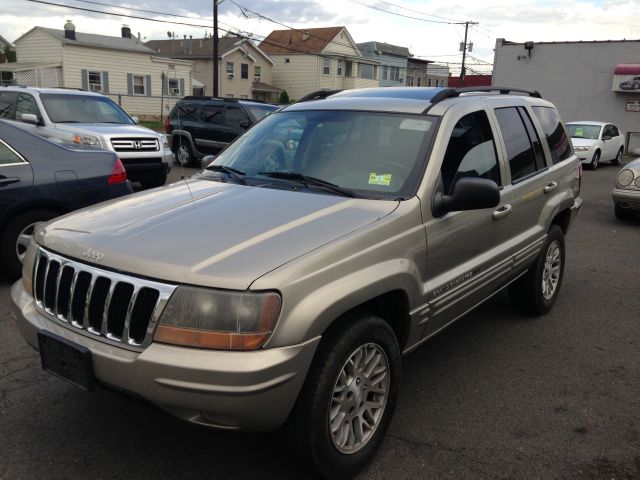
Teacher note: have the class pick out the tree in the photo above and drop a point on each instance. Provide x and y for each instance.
(284, 97)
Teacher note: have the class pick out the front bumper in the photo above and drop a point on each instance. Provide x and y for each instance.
(253, 390)
(627, 199)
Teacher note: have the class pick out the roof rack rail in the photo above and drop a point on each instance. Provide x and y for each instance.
(206, 97)
(455, 92)
(318, 95)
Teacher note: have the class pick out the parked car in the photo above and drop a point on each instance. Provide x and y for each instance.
(626, 194)
(40, 180)
(596, 141)
(305, 281)
(202, 126)
(90, 119)
(633, 84)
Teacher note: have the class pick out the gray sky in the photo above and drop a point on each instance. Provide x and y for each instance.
(432, 33)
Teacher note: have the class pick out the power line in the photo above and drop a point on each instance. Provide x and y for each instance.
(373, 7)
(418, 11)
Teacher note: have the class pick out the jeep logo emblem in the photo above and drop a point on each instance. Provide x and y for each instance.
(92, 254)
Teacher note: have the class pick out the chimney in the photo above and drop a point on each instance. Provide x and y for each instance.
(69, 30)
(305, 36)
(126, 31)
(190, 45)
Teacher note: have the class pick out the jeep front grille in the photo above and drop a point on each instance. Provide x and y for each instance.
(135, 144)
(110, 306)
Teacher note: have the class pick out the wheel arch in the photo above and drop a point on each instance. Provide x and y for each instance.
(22, 209)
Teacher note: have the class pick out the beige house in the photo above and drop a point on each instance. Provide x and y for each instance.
(122, 67)
(317, 59)
(244, 69)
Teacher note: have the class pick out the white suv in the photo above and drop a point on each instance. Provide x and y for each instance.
(90, 119)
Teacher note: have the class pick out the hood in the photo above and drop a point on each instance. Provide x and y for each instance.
(110, 129)
(208, 233)
(583, 142)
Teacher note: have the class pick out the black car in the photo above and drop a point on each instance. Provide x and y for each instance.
(40, 180)
(202, 126)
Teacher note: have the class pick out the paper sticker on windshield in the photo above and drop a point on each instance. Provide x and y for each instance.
(384, 180)
(418, 125)
(579, 132)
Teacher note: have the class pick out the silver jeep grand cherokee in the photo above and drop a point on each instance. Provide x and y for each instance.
(332, 238)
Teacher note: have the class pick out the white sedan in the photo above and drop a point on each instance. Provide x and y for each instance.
(596, 141)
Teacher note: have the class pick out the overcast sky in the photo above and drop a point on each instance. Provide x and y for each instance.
(432, 33)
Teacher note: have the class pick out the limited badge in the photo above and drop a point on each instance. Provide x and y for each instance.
(384, 179)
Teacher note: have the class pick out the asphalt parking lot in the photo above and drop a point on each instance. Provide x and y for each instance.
(497, 395)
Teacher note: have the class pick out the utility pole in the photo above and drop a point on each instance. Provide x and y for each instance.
(463, 48)
(215, 48)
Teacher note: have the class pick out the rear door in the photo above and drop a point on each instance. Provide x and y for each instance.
(210, 131)
(16, 179)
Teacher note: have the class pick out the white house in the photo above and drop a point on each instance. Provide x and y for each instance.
(122, 67)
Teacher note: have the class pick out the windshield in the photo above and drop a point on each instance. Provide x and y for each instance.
(83, 109)
(589, 132)
(259, 111)
(375, 155)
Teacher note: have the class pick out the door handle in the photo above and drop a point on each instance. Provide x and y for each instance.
(550, 187)
(501, 212)
(8, 180)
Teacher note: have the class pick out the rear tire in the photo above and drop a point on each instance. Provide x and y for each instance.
(618, 160)
(536, 291)
(16, 237)
(183, 152)
(349, 397)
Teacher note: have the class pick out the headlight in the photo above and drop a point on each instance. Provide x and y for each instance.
(581, 149)
(86, 140)
(625, 177)
(165, 143)
(638, 182)
(28, 265)
(207, 318)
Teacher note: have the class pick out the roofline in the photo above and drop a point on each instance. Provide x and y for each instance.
(179, 61)
(506, 42)
(242, 44)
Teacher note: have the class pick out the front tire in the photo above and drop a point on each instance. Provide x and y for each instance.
(349, 397)
(16, 238)
(595, 160)
(536, 291)
(183, 152)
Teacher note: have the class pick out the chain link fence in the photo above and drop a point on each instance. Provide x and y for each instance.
(146, 108)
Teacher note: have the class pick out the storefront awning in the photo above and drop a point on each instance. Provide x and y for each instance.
(627, 69)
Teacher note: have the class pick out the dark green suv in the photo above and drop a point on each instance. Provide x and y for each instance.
(202, 126)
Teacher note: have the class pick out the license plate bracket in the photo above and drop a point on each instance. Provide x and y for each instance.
(66, 360)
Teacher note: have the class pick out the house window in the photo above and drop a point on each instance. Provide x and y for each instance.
(340, 68)
(394, 74)
(174, 86)
(429, 82)
(418, 81)
(138, 84)
(229, 95)
(95, 81)
(230, 69)
(257, 73)
(385, 72)
(286, 60)
(366, 71)
(244, 71)
(326, 68)
(410, 80)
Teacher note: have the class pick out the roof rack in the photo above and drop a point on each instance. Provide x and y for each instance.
(455, 92)
(318, 95)
(205, 97)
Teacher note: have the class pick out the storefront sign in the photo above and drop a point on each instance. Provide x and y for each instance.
(633, 106)
(626, 78)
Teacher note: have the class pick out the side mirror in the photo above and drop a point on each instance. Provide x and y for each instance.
(606, 137)
(206, 161)
(468, 194)
(245, 124)
(30, 118)
(136, 120)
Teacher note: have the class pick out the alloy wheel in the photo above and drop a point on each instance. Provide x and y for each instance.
(22, 243)
(551, 272)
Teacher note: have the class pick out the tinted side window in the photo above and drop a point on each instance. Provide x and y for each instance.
(471, 152)
(212, 114)
(614, 131)
(7, 101)
(522, 159)
(235, 116)
(26, 104)
(7, 157)
(185, 111)
(557, 137)
(534, 139)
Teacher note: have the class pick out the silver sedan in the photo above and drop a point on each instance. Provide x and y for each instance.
(626, 194)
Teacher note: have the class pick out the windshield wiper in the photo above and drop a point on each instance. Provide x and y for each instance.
(232, 172)
(306, 180)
